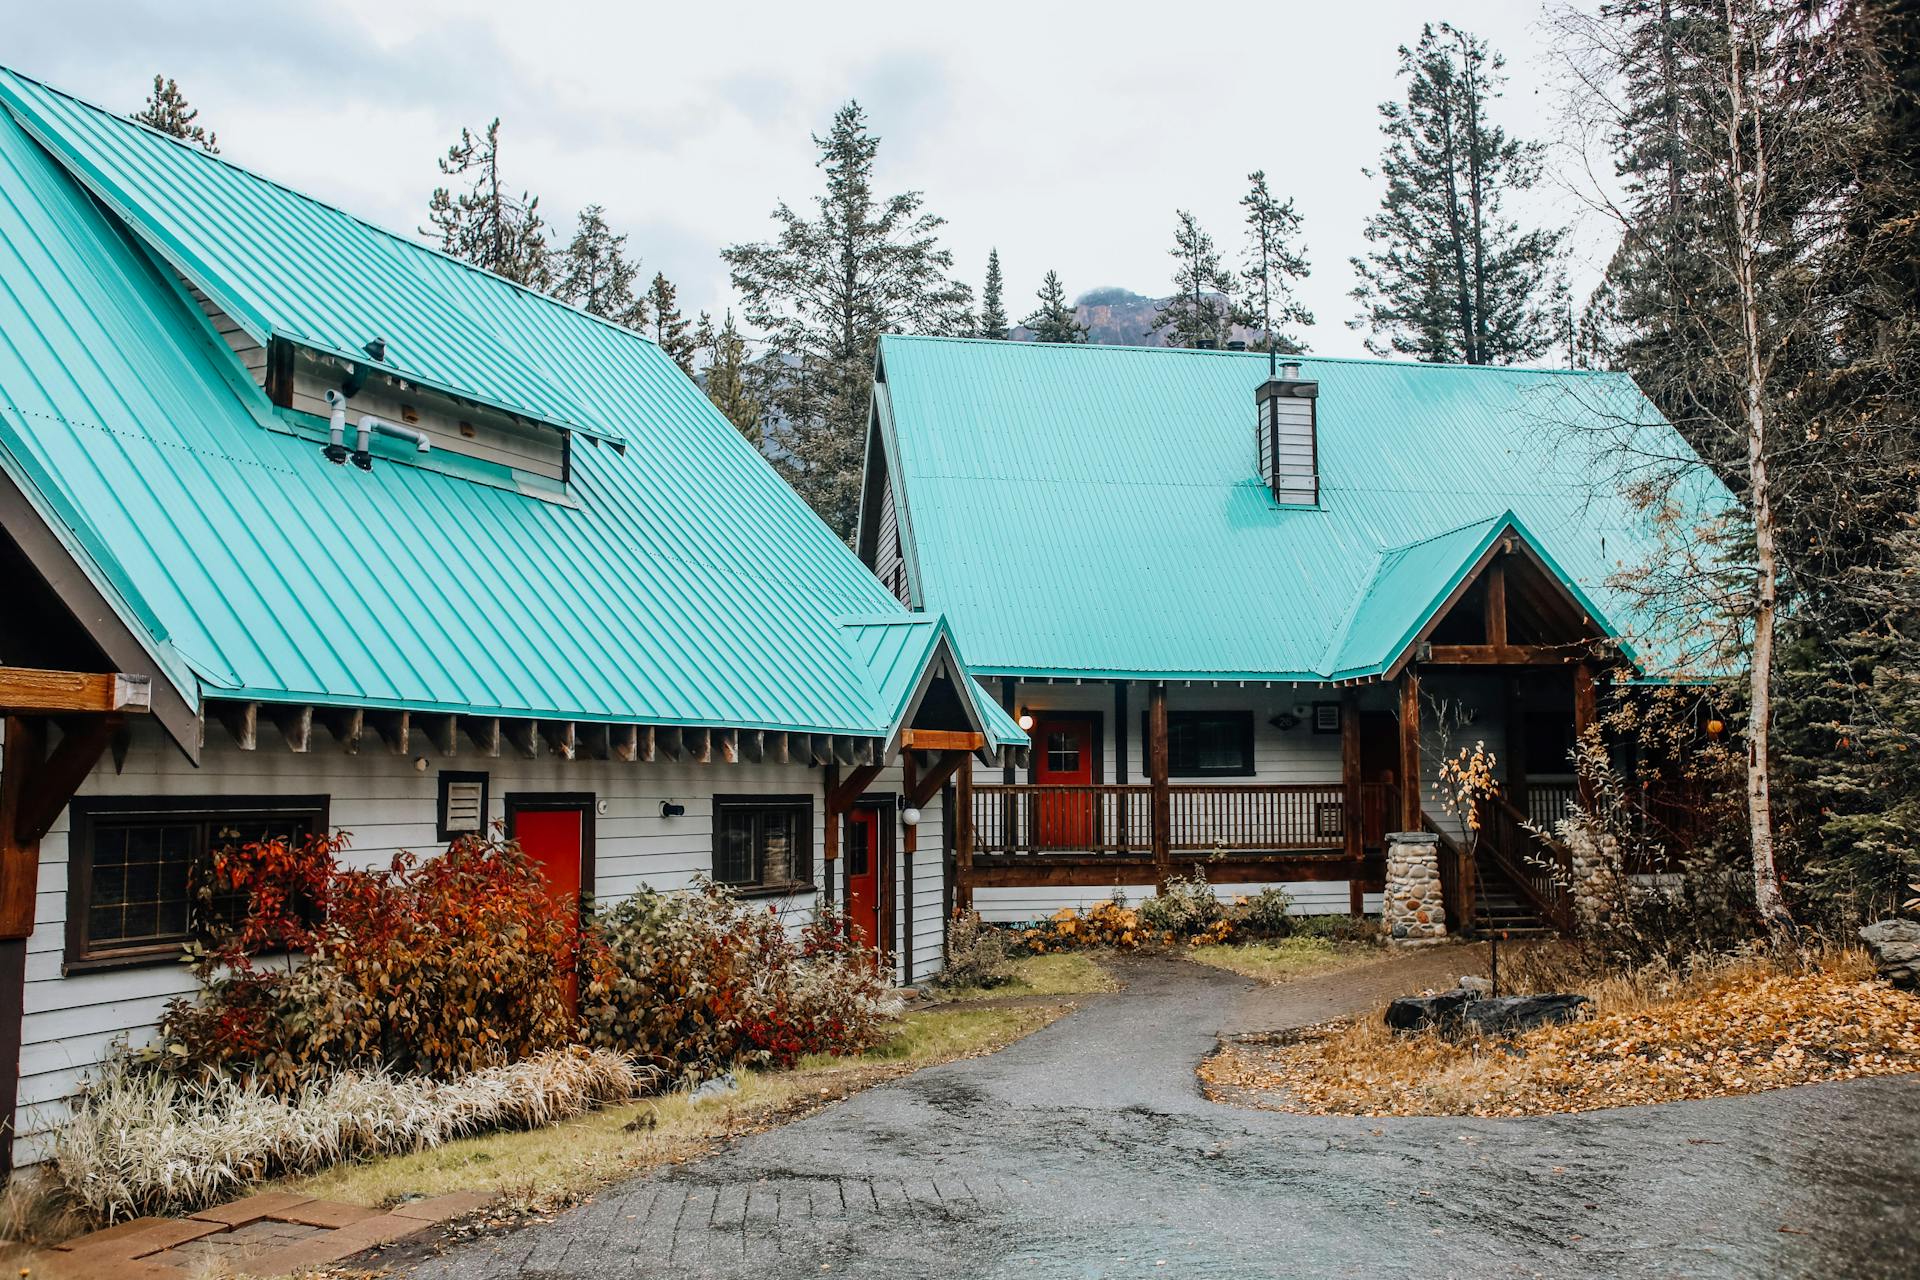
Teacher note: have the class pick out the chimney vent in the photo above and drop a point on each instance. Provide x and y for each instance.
(1236, 344)
(1287, 425)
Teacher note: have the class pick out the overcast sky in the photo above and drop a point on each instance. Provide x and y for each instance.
(1064, 135)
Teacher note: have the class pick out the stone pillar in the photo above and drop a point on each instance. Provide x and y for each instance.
(1596, 873)
(1413, 909)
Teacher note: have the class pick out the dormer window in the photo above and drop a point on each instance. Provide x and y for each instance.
(1288, 437)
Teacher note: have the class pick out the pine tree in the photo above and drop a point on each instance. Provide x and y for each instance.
(670, 328)
(595, 274)
(1273, 264)
(731, 379)
(1200, 312)
(166, 109)
(1055, 320)
(824, 291)
(993, 312)
(485, 224)
(1450, 277)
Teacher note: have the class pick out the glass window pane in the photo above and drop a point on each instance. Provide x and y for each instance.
(733, 847)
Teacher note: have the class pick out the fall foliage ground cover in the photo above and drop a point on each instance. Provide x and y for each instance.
(1280, 959)
(1737, 1027)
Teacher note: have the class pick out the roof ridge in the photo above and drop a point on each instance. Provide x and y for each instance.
(1303, 357)
(1402, 547)
(298, 194)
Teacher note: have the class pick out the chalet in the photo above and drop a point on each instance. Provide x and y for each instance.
(1245, 608)
(306, 526)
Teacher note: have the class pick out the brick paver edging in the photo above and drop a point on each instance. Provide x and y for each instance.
(271, 1234)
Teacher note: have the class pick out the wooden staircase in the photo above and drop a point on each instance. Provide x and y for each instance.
(1518, 883)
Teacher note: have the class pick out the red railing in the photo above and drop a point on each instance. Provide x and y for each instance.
(1117, 819)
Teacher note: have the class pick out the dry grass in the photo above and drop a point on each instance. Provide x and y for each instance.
(543, 1170)
(1742, 1027)
(1061, 973)
(1282, 958)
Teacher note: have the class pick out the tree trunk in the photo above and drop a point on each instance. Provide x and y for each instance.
(1749, 190)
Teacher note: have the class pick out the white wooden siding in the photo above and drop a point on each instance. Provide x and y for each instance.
(72, 1022)
(889, 564)
(1294, 473)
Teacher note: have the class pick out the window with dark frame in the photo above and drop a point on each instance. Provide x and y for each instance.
(763, 843)
(135, 869)
(1207, 744)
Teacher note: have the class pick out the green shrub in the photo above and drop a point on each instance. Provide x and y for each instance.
(1186, 908)
(1267, 914)
(978, 955)
(1339, 927)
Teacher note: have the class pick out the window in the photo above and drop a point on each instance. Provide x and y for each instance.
(763, 843)
(1063, 751)
(1207, 744)
(135, 867)
(463, 804)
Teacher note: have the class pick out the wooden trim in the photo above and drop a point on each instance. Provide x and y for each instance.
(1496, 619)
(1120, 731)
(1350, 781)
(13, 994)
(295, 725)
(241, 720)
(1008, 703)
(587, 803)
(802, 801)
(1585, 712)
(346, 724)
(81, 956)
(829, 831)
(53, 781)
(909, 845)
(33, 690)
(963, 840)
(941, 740)
(1507, 655)
(842, 797)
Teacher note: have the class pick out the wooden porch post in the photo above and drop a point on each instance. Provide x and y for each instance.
(1119, 731)
(1585, 712)
(963, 838)
(1350, 800)
(830, 830)
(1162, 811)
(909, 845)
(1516, 713)
(1410, 780)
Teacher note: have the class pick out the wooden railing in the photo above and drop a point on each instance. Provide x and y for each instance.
(1117, 819)
(1457, 886)
(1539, 867)
(1549, 802)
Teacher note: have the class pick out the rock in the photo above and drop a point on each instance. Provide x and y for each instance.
(1417, 1013)
(1505, 1015)
(1477, 985)
(721, 1086)
(1896, 951)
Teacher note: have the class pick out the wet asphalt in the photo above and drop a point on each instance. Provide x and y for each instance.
(1087, 1150)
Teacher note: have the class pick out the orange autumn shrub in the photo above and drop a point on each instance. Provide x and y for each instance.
(437, 966)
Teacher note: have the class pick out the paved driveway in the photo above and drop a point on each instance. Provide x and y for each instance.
(1087, 1150)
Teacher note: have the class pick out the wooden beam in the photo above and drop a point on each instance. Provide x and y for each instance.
(295, 725)
(524, 735)
(22, 761)
(753, 745)
(594, 741)
(830, 829)
(1516, 736)
(31, 690)
(345, 724)
(395, 729)
(1160, 800)
(940, 740)
(1505, 655)
(729, 742)
(624, 742)
(699, 745)
(242, 721)
(648, 744)
(1350, 792)
(778, 749)
(560, 737)
(843, 749)
(963, 839)
(670, 740)
(1497, 602)
(1120, 732)
(943, 767)
(1410, 749)
(1586, 710)
(843, 797)
(443, 731)
(53, 781)
(484, 733)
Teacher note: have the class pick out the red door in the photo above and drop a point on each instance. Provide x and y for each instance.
(555, 838)
(1063, 757)
(863, 877)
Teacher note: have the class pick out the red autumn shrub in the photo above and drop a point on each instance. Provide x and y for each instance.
(695, 982)
(438, 966)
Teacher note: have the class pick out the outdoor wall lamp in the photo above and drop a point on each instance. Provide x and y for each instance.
(1025, 720)
(668, 809)
(910, 816)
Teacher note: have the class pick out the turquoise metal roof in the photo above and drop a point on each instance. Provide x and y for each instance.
(898, 648)
(684, 583)
(1086, 510)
